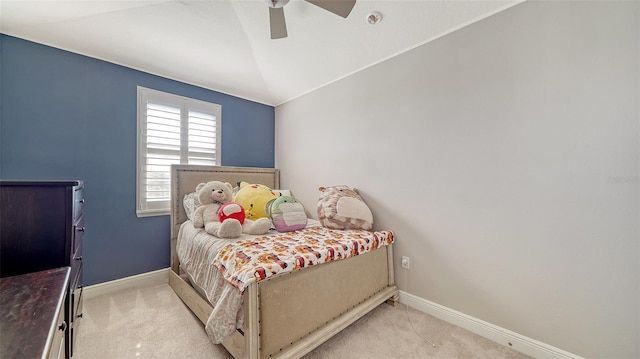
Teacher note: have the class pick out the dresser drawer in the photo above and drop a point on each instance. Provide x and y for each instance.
(78, 202)
(76, 317)
(57, 348)
(77, 306)
(78, 233)
(76, 265)
(77, 320)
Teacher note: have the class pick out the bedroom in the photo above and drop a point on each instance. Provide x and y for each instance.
(511, 146)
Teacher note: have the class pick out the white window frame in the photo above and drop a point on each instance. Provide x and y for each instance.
(158, 207)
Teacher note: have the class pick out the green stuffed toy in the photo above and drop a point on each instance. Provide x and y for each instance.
(287, 214)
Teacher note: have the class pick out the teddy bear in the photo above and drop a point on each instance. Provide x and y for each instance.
(210, 197)
(341, 207)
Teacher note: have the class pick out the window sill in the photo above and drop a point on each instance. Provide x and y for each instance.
(152, 213)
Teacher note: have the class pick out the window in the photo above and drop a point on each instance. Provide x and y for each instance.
(171, 130)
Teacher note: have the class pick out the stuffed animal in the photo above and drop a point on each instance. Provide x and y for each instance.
(210, 197)
(341, 207)
(231, 210)
(254, 198)
(287, 214)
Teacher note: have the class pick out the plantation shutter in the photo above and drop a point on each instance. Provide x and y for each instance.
(171, 130)
(202, 138)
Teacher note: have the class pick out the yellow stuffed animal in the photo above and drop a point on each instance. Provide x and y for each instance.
(254, 198)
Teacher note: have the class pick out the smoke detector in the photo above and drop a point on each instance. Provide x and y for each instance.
(374, 18)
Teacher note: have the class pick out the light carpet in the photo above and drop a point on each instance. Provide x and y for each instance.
(152, 323)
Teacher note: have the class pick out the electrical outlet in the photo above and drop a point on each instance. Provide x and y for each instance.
(405, 262)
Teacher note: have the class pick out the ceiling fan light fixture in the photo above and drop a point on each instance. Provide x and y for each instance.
(276, 3)
(374, 18)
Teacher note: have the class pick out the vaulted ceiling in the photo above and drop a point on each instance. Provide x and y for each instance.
(224, 45)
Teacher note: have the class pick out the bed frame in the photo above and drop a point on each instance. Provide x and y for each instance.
(288, 315)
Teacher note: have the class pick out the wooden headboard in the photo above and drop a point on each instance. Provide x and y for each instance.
(185, 178)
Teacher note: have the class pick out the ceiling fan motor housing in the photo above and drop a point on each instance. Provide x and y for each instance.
(276, 3)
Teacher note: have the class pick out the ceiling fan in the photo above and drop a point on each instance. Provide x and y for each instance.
(276, 13)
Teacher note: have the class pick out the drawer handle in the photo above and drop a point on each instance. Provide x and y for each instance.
(80, 229)
(79, 315)
(79, 258)
(63, 326)
(81, 201)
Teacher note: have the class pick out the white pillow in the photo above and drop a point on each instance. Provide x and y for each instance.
(189, 204)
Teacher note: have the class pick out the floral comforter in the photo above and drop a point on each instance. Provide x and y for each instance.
(223, 268)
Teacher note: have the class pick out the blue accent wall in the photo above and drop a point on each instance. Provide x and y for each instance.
(68, 116)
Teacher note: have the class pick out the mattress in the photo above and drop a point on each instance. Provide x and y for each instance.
(223, 268)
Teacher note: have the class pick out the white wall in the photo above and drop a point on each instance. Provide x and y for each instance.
(504, 156)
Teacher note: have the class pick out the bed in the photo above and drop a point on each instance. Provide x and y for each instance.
(287, 314)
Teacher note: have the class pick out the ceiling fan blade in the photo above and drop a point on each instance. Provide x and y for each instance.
(339, 7)
(278, 25)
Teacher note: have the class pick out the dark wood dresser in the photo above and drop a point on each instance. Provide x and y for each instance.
(41, 227)
(32, 323)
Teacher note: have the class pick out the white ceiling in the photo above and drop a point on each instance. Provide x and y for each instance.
(224, 45)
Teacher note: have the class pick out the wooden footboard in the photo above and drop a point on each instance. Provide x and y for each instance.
(303, 309)
(289, 315)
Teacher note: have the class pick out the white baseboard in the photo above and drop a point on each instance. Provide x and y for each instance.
(155, 277)
(525, 345)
